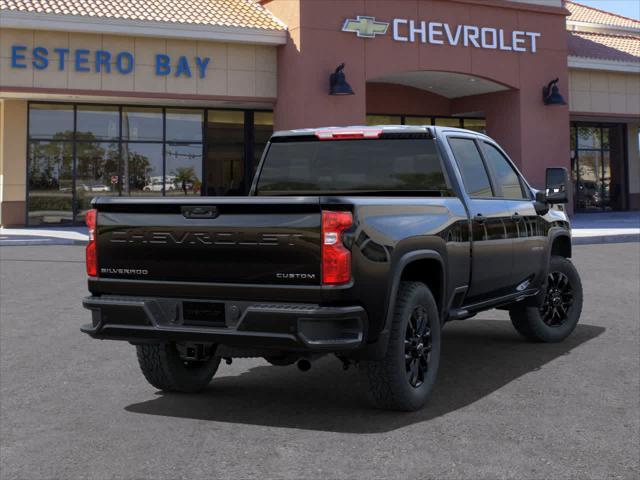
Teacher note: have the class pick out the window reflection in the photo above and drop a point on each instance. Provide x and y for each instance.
(102, 123)
(97, 172)
(50, 172)
(48, 121)
(225, 153)
(184, 125)
(131, 150)
(184, 169)
(142, 124)
(143, 169)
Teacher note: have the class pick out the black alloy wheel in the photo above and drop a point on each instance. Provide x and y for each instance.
(558, 300)
(417, 346)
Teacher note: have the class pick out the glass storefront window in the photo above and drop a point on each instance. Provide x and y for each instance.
(263, 129)
(598, 166)
(97, 123)
(448, 122)
(142, 124)
(51, 121)
(589, 137)
(184, 125)
(184, 169)
(80, 151)
(225, 153)
(97, 173)
(475, 124)
(384, 120)
(50, 173)
(143, 169)
(417, 120)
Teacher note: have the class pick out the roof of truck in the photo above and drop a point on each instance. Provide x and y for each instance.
(435, 131)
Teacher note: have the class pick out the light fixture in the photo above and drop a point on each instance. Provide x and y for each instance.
(551, 94)
(338, 82)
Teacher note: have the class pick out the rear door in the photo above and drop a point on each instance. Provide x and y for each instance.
(492, 249)
(530, 231)
(216, 240)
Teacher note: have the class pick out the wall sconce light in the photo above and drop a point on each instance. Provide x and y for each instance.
(551, 94)
(338, 82)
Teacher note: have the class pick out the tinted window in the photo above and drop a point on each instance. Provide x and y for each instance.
(51, 121)
(184, 125)
(97, 123)
(505, 176)
(142, 124)
(474, 174)
(353, 166)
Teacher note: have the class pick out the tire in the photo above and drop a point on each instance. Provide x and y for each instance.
(164, 369)
(392, 381)
(556, 315)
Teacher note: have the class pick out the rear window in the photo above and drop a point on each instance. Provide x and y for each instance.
(353, 166)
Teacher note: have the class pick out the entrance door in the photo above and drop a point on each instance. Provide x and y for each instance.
(598, 167)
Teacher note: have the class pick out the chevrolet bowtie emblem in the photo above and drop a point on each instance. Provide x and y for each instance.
(365, 27)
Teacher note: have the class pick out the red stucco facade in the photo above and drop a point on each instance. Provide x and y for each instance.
(535, 135)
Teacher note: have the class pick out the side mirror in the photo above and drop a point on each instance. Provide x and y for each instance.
(556, 186)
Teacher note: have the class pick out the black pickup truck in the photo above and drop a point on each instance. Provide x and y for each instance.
(360, 242)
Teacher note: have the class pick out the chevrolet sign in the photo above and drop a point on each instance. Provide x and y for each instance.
(437, 33)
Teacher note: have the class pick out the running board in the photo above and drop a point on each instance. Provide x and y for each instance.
(468, 311)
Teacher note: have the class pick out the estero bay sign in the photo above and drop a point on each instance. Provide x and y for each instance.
(98, 61)
(439, 33)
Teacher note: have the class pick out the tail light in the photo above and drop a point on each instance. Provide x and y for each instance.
(92, 252)
(336, 259)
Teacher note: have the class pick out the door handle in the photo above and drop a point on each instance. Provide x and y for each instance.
(480, 218)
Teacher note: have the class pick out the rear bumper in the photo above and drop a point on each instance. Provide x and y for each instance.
(288, 326)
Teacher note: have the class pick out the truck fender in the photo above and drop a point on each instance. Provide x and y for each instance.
(554, 235)
(405, 260)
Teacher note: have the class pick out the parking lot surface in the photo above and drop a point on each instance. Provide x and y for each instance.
(72, 407)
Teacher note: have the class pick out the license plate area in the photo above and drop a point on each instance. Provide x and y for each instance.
(203, 314)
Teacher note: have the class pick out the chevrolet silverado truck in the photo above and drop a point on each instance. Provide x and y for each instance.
(360, 242)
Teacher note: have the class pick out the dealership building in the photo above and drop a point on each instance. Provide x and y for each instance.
(179, 97)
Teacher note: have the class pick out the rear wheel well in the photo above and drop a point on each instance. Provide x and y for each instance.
(429, 272)
(561, 247)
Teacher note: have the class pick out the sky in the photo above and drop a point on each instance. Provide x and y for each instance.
(628, 8)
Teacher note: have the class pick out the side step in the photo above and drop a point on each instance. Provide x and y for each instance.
(461, 314)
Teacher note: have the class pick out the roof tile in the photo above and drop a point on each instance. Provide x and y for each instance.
(224, 13)
(582, 13)
(624, 48)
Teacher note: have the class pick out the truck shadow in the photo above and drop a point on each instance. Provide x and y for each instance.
(479, 357)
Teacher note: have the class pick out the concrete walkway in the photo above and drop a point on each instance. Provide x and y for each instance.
(608, 227)
(588, 228)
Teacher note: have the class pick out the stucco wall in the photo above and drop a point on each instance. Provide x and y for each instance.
(235, 70)
(592, 91)
(13, 161)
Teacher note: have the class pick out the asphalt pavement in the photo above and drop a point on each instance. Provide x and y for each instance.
(72, 407)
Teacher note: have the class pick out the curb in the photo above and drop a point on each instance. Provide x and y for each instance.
(631, 238)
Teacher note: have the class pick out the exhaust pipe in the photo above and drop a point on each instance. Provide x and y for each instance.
(304, 365)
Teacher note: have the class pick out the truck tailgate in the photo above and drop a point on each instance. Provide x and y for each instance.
(247, 240)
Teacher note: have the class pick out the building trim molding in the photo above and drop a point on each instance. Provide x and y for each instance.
(584, 63)
(126, 94)
(575, 26)
(101, 25)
